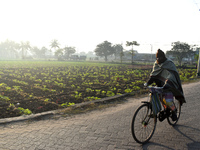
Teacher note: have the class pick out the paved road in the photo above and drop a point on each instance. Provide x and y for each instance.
(107, 129)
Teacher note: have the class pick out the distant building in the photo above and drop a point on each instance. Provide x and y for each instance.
(82, 58)
(138, 56)
(145, 56)
(76, 57)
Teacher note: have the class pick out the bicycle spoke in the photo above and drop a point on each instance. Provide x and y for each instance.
(143, 125)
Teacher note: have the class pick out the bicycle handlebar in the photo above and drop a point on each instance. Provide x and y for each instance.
(155, 87)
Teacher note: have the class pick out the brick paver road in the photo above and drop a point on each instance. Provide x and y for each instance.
(106, 129)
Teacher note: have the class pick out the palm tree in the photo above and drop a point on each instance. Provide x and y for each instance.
(131, 44)
(9, 49)
(54, 44)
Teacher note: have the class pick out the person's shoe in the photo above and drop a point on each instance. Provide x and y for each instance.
(168, 112)
(174, 116)
(162, 115)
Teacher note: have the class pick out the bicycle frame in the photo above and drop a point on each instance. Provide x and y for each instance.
(159, 91)
(144, 119)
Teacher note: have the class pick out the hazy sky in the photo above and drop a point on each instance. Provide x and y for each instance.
(87, 23)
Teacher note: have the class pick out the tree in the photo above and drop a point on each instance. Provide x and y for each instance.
(59, 53)
(54, 45)
(25, 46)
(118, 50)
(14, 47)
(43, 51)
(104, 50)
(180, 50)
(82, 53)
(90, 53)
(131, 44)
(8, 49)
(68, 51)
(40, 53)
(36, 51)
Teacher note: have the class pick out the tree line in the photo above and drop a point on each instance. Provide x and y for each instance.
(21, 50)
(179, 50)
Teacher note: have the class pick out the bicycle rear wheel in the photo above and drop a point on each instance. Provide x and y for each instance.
(178, 113)
(143, 124)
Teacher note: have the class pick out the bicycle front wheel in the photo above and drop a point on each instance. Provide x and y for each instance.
(178, 113)
(143, 124)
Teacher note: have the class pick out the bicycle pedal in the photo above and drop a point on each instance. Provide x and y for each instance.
(162, 116)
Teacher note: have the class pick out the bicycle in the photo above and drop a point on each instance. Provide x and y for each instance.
(145, 117)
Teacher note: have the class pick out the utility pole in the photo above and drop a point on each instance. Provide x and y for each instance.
(131, 44)
(198, 65)
(151, 51)
(121, 53)
(132, 56)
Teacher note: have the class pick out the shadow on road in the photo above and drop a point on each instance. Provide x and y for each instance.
(161, 146)
(189, 135)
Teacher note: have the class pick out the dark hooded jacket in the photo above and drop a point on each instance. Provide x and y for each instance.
(165, 74)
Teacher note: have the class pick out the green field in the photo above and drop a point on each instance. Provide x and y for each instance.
(36, 86)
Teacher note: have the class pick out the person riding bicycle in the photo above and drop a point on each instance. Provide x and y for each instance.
(165, 75)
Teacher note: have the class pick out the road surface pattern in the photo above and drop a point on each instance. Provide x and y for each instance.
(107, 129)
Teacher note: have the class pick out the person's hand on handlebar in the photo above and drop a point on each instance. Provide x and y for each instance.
(145, 84)
(166, 86)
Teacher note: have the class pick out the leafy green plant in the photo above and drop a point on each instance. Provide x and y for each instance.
(8, 88)
(11, 106)
(91, 98)
(103, 92)
(52, 90)
(89, 90)
(67, 104)
(38, 80)
(5, 98)
(128, 90)
(73, 86)
(24, 111)
(77, 95)
(98, 92)
(47, 99)
(20, 82)
(3, 85)
(48, 81)
(17, 88)
(118, 94)
(135, 88)
(110, 93)
(31, 95)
